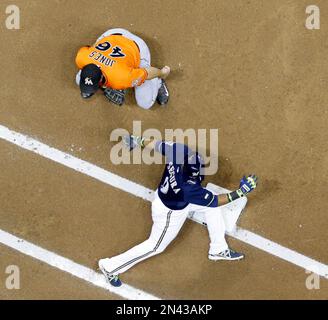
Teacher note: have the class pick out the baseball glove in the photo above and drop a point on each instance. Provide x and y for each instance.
(115, 96)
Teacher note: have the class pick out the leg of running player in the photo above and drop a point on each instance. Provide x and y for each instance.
(166, 226)
(147, 93)
(215, 226)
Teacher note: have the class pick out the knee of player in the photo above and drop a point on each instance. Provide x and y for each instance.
(160, 249)
(145, 103)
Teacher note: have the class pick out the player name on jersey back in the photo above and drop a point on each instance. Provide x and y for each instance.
(99, 57)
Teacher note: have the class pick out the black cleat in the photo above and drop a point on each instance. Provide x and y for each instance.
(163, 94)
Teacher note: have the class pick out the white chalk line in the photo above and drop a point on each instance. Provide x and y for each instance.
(82, 272)
(71, 267)
(138, 190)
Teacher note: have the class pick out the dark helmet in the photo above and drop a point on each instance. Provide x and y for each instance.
(91, 76)
(195, 166)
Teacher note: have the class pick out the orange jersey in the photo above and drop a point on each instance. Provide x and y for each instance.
(118, 59)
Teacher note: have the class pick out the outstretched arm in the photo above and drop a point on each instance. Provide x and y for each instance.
(198, 195)
(247, 184)
(174, 152)
(158, 73)
(223, 200)
(133, 142)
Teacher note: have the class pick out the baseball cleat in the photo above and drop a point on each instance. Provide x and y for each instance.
(163, 94)
(115, 281)
(112, 279)
(228, 255)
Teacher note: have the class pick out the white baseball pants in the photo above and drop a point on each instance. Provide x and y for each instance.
(166, 226)
(145, 94)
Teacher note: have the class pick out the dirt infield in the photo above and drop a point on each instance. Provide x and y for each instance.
(250, 69)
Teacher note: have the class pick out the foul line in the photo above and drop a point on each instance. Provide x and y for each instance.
(140, 191)
(71, 267)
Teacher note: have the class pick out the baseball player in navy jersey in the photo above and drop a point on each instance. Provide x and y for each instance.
(180, 192)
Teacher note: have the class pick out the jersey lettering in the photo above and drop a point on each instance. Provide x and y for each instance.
(173, 182)
(177, 189)
(117, 53)
(102, 59)
(104, 46)
(165, 186)
(119, 60)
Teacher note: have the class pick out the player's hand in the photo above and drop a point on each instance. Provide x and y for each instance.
(131, 142)
(165, 72)
(248, 184)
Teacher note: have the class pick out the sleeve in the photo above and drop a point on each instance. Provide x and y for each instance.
(80, 56)
(174, 152)
(137, 77)
(198, 195)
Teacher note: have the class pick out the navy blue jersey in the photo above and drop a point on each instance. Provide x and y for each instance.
(177, 189)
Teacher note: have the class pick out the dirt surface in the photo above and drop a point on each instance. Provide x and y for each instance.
(39, 281)
(249, 68)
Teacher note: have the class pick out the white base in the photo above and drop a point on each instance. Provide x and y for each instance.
(231, 212)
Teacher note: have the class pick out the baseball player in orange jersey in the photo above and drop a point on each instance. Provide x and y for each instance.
(117, 61)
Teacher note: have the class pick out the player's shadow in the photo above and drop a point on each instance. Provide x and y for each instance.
(224, 175)
(225, 172)
(229, 177)
(157, 60)
(158, 57)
